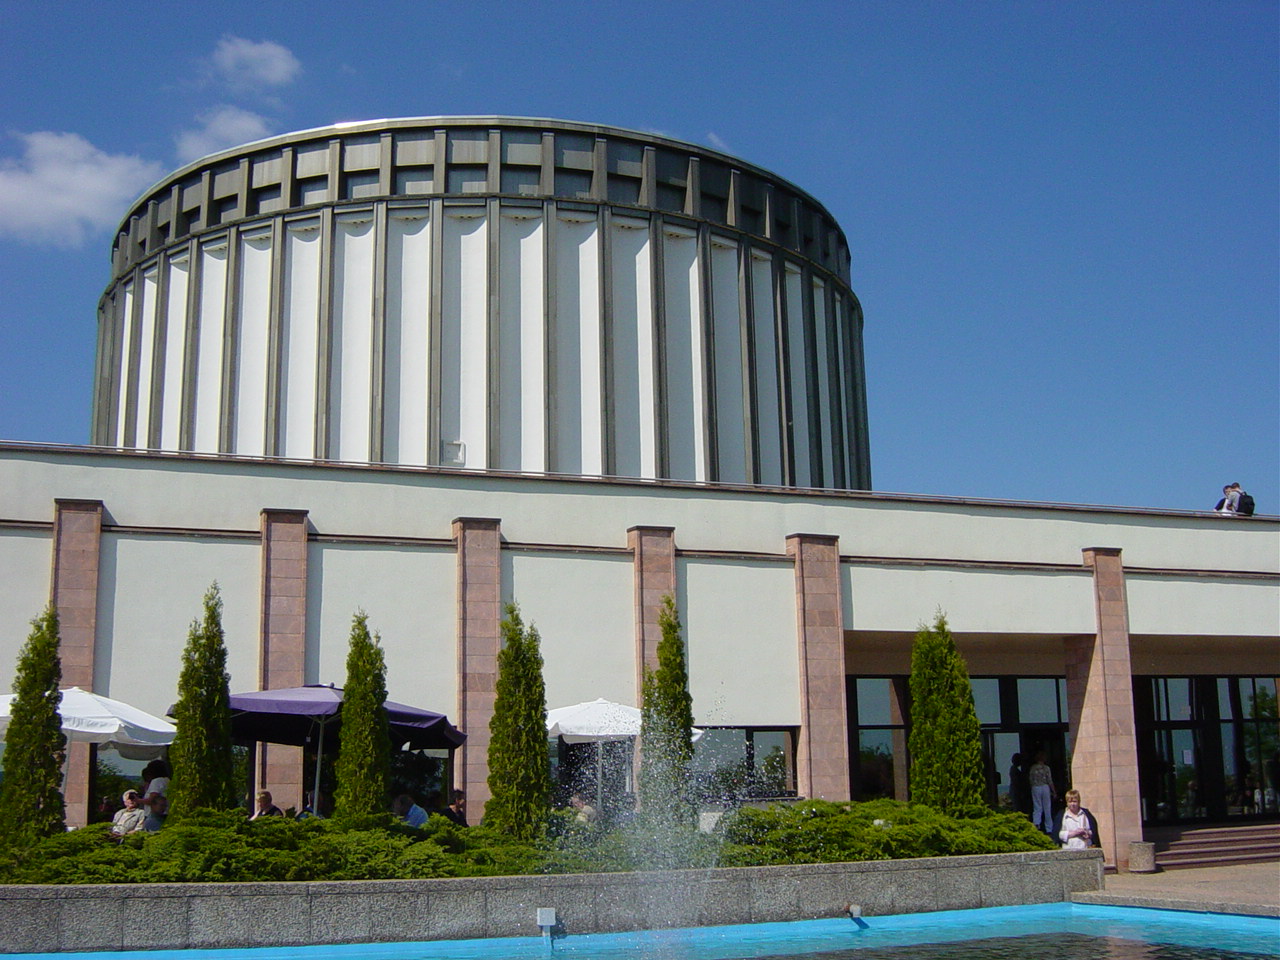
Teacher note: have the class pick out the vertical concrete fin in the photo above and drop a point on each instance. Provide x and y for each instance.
(654, 550)
(283, 641)
(1104, 755)
(77, 544)
(479, 603)
(822, 756)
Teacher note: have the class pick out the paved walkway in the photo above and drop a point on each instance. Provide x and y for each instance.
(1252, 889)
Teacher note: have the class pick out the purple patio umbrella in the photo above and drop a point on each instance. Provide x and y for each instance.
(307, 716)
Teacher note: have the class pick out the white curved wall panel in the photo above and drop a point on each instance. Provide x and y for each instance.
(732, 454)
(123, 372)
(407, 338)
(351, 338)
(173, 344)
(299, 339)
(577, 392)
(521, 348)
(207, 415)
(464, 341)
(631, 331)
(764, 342)
(797, 376)
(146, 355)
(252, 336)
(683, 321)
(826, 444)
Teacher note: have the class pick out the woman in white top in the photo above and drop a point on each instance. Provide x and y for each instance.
(1076, 827)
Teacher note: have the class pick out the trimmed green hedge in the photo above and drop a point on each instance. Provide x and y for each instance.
(817, 831)
(211, 846)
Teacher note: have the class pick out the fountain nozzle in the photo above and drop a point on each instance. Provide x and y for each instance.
(855, 914)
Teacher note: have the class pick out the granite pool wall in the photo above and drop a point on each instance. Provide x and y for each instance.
(137, 917)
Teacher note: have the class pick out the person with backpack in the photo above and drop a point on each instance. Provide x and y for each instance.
(1235, 501)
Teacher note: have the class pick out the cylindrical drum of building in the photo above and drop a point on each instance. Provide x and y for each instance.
(487, 293)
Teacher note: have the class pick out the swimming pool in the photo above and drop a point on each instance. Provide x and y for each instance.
(1058, 931)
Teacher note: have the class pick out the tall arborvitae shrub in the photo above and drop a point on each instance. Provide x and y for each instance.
(945, 743)
(31, 804)
(363, 770)
(202, 758)
(666, 725)
(519, 761)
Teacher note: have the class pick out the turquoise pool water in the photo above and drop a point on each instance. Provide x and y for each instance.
(1058, 931)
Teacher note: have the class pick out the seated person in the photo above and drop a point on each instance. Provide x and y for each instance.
(457, 809)
(586, 812)
(155, 800)
(132, 817)
(312, 807)
(408, 811)
(265, 807)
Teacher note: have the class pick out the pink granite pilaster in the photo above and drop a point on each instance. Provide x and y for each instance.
(822, 756)
(283, 642)
(479, 602)
(654, 549)
(77, 537)
(1104, 754)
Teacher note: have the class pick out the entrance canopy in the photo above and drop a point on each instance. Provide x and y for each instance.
(92, 718)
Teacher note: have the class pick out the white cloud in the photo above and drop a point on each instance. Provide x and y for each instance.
(247, 65)
(223, 126)
(63, 188)
(717, 142)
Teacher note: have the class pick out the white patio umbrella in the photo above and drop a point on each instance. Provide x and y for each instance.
(92, 718)
(598, 722)
(594, 722)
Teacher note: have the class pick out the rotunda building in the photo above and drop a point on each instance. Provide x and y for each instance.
(487, 293)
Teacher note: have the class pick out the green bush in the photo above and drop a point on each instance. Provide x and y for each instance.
(818, 831)
(223, 846)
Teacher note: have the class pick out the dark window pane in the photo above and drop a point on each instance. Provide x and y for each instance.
(1260, 703)
(986, 699)
(1178, 691)
(875, 764)
(1224, 697)
(719, 748)
(1038, 700)
(873, 701)
(770, 769)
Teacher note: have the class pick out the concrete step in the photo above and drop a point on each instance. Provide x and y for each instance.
(1216, 860)
(1216, 845)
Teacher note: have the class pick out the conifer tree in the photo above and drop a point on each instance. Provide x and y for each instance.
(31, 803)
(945, 742)
(363, 770)
(519, 760)
(666, 725)
(202, 757)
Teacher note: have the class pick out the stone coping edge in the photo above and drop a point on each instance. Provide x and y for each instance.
(1174, 903)
(132, 917)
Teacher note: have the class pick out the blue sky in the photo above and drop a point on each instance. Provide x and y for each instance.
(1064, 217)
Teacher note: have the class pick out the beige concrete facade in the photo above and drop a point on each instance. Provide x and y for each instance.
(1009, 575)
